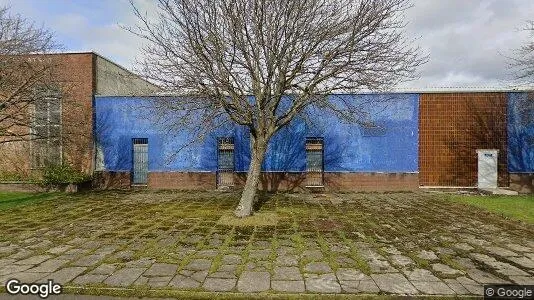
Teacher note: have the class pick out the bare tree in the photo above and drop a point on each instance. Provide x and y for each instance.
(24, 77)
(522, 62)
(522, 112)
(289, 55)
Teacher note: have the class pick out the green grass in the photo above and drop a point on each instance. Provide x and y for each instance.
(516, 207)
(11, 199)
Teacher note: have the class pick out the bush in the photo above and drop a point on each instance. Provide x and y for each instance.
(63, 174)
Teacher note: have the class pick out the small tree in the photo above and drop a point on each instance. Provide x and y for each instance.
(24, 77)
(288, 54)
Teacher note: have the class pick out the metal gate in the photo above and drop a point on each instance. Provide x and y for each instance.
(140, 161)
(225, 162)
(314, 162)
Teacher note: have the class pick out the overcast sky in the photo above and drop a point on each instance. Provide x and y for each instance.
(466, 40)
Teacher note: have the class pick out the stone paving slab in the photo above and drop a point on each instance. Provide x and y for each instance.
(289, 286)
(199, 265)
(104, 269)
(158, 269)
(253, 282)
(323, 283)
(394, 283)
(433, 287)
(159, 281)
(124, 276)
(346, 274)
(524, 280)
(219, 284)
(183, 282)
(287, 260)
(359, 286)
(33, 260)
(49, 266)
(199, 275)
(421, 275)
(318, 267)
(10, 269)
(287, 273)
(59, 249)
(65, 275)
(89, 260)
(89, 279)
(457, 287)
(27, 277)
(231, 259)
(461, 257)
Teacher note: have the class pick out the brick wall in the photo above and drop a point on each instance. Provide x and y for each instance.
(452, 126)
(269, 181)
(275, 181)
(76, 72)
(522, 182)
(111, 180)
(372, 181)
(181, 180)
(73, 74)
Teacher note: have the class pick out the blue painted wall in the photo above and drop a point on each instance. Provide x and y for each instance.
(520, 133)
(391, 146)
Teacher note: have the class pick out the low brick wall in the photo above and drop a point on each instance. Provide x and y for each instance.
(371, 181)
(269, 181)
(21, 187)
(275, 181)
(182, 180)
(111, 180)
(522, 182)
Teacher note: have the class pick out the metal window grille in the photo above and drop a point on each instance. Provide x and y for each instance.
(314, 162)
(225, 162)
(140, 161)
(46, 132)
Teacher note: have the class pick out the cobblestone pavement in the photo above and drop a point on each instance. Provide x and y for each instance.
(398, 243)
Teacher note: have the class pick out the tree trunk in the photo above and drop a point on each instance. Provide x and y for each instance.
(244, 209)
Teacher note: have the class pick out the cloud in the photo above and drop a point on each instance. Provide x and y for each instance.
(467, 41)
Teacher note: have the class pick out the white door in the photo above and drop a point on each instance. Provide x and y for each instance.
(487, 168)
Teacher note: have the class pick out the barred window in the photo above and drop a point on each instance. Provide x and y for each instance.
(226, 154)
(314, 154)
(46, 132)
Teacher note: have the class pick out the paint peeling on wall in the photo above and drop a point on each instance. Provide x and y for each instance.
(389, 144)
(521, 132)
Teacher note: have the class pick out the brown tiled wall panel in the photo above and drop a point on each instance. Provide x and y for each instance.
(181, 180)
(452, 126)
(522, 182)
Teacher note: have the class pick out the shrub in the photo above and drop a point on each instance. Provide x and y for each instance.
(63, 174)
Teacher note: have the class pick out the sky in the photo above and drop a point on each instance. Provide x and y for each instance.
(467, 41)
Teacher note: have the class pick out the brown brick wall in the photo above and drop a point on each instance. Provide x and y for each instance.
(111, 180)
(181, 180)
(73, 74)
(77, 119)
(275, 181)
(372, 181)
(452, 126)
(270, 181)
(522, 182)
